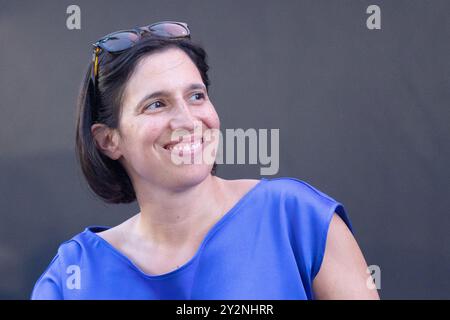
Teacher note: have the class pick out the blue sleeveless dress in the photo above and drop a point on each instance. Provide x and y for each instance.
(269, 245)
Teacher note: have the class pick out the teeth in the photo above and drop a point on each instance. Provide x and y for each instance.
(185, 147)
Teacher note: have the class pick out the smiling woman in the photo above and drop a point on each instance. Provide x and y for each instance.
(165, 94)
(113, 96)
(197, 236)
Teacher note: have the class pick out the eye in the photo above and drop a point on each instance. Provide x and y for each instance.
(198, 96)
(153, 106)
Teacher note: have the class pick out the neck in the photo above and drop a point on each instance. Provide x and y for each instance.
(174, 219)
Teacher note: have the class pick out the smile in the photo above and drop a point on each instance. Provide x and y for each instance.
(185, 147)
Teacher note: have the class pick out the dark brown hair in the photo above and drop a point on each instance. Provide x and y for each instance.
(105, 176)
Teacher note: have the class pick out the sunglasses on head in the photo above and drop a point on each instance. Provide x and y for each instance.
(122, 40)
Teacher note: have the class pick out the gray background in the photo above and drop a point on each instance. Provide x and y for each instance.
(363, 115)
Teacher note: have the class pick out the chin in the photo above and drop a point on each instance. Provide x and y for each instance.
(191, 174)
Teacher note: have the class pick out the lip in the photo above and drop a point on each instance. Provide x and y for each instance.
(183, 152)
(191, 139)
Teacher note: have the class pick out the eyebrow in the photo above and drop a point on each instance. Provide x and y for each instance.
(160, 93)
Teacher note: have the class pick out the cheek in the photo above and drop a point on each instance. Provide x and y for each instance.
(151, 132)
(211, 118)
(142, 134)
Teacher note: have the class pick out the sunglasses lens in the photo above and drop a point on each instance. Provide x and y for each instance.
(120, 41)
(169, 30)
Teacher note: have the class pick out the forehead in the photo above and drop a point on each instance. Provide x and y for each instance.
(167, 70)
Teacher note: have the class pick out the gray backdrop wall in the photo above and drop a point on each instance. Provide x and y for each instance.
(368, 112)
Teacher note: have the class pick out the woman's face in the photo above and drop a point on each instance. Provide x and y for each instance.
(179, 105)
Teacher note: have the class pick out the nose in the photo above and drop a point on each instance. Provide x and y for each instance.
(182, 118)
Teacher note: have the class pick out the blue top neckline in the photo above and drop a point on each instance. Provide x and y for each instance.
(91, 231)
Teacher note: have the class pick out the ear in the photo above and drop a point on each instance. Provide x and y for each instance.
(106, 140)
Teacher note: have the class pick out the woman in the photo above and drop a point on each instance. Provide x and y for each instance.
(197, 236)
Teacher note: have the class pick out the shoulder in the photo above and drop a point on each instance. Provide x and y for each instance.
(70, 252)
(73, 250)
(71, 256)
(303, 204)
(294, 185)
(288, 191)
(287, 186)
(296, 191)
(49, 285)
